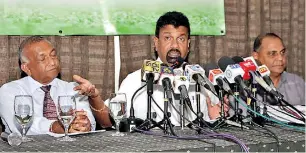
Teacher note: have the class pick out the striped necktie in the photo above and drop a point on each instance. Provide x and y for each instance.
(49, 109)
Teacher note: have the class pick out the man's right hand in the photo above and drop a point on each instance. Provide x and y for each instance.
(81, 123)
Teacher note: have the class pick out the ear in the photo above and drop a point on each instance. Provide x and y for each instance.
(155, 40)
(255, 55)
(188, 43)
(24, 68)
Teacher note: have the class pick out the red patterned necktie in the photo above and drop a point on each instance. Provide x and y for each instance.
(49, 110)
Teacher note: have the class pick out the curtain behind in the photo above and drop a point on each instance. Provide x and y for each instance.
(91, 57)
(245, 19)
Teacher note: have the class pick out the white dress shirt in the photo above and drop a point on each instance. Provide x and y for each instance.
(133, 81)
(28, 86)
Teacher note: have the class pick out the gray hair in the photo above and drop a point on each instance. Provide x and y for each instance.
(26, 42)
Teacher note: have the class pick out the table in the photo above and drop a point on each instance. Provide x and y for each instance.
(137, 142)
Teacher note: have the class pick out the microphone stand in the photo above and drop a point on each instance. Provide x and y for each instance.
(237, 116)
(199, 119)
(182, 108)
(255, 119)
(265, 110)
(165, 122)
(149, 123)
(223, 121)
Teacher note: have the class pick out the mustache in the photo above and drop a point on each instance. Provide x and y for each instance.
(173, 50)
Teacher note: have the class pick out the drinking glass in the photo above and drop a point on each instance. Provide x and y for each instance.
(23, 108)
(66, 113)
(117, 106)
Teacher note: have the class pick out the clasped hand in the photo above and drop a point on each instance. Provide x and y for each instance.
(81, 123)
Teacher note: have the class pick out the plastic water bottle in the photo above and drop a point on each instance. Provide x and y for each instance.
(14, 139)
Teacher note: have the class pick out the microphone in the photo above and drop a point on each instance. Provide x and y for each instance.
(251, 58)
(247, 66)
(152, 68)
(216, 77)
(166, 81)
(179, 80)
(150, 73)
(178, 63)
(265, 74)
(232, 72)
(196, 74)
(181, 85)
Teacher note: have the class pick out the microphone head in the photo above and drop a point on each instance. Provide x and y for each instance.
(190, 70)
(208, 67)
(166, 72)
(251, 59)
(224, 62)
(180, 80)
(237, 59)
(179, 61)
(150, 66)
(166, 82)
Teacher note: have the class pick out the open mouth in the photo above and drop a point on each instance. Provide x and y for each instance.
(172, 55)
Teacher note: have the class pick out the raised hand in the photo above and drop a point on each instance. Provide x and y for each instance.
(85, 87)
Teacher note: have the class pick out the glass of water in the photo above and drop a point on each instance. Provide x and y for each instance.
(118, 108)
(66, 113)
(23, 108)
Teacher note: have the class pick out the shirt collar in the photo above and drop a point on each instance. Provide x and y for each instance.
(284, 76)
(159, 60)
(34, 85)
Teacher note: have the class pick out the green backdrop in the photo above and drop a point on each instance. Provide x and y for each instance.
(105, 17)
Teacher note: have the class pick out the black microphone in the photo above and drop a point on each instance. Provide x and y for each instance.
(237, 59)
(184, 94)
(167, 85)
(178, 63)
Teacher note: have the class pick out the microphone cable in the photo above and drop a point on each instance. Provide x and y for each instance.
(283, 112)
(178, 137)
(269, 132)
(132, 101)
(251, 96)
(190, 107)
(167, 117)
(174, 135)
(210, 133)
(286, 113)
(288, 110)
(232, 138)
(292, 107)
(268, 118)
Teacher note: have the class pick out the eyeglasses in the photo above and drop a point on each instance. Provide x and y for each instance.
(274, 54)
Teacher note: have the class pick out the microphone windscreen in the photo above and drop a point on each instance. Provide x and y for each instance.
(224, 62)
(237, 59)
(180, 60)
(208, 67)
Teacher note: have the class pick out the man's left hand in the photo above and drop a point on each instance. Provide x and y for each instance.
(214, 110)
(85, 87)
